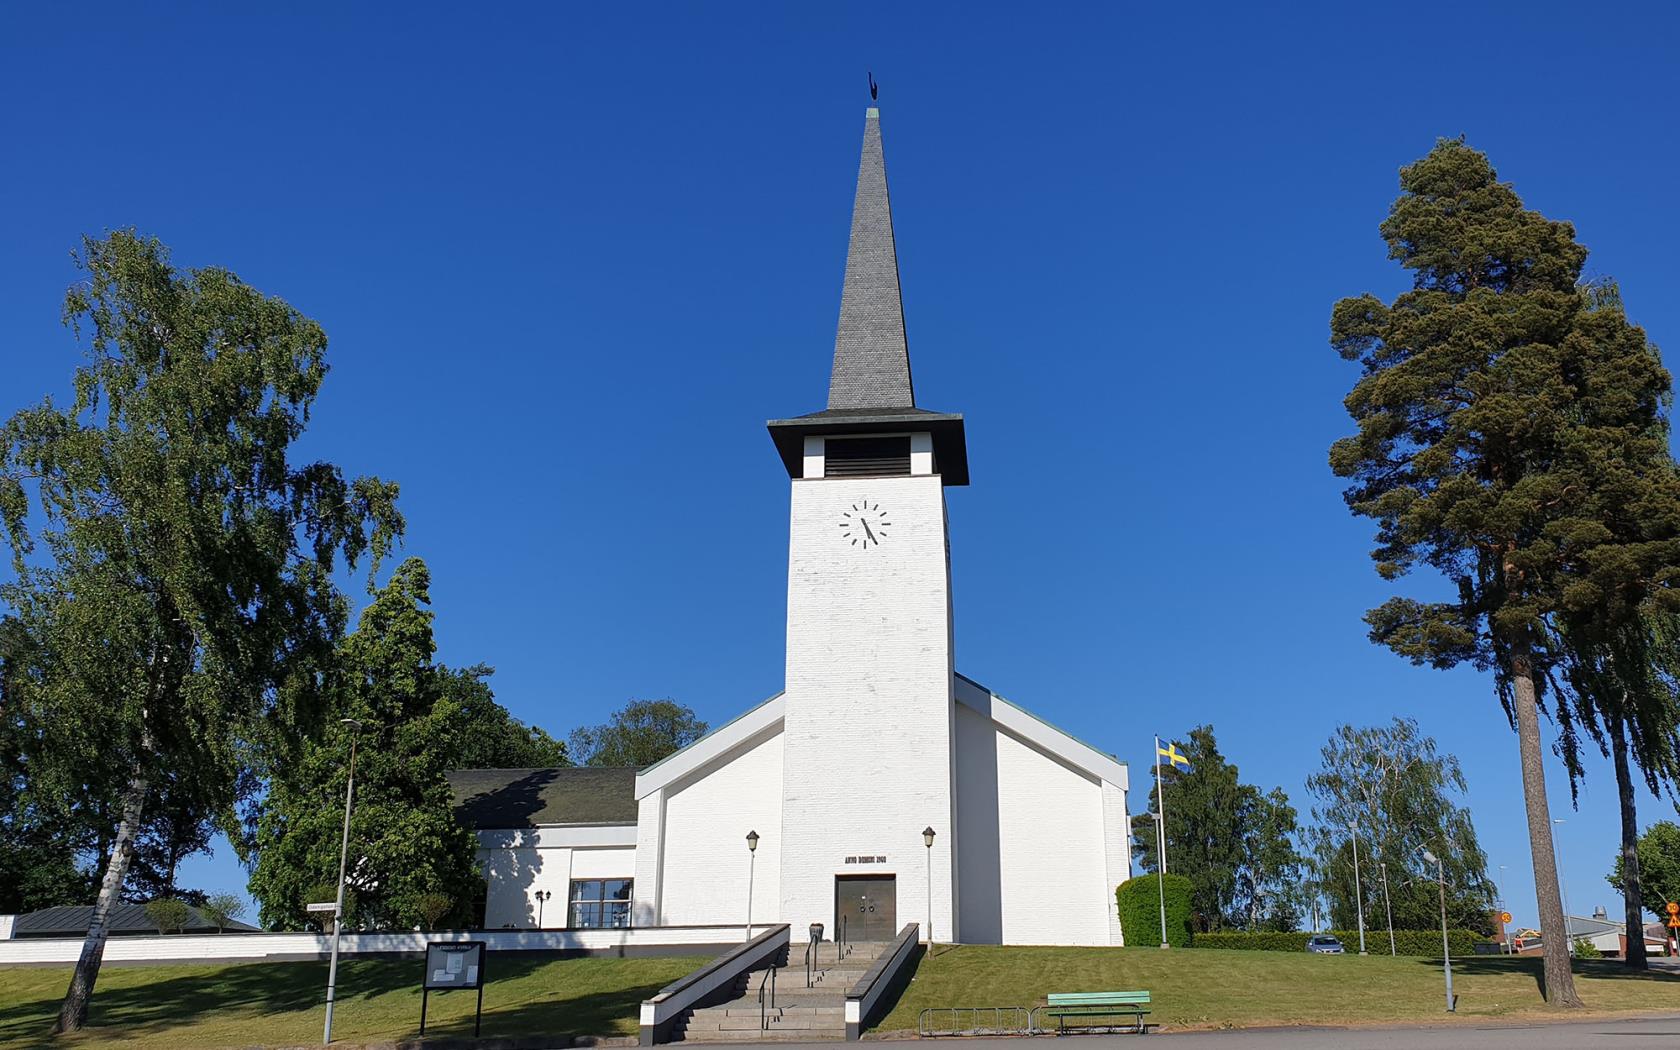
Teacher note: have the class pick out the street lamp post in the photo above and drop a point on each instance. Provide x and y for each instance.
(1358, 893)
(752, 864)
(343, 855)
(1503, 907)
(542, 898)
(1388, 906)
(1563, 884)
(1446, 950)
(927, 840)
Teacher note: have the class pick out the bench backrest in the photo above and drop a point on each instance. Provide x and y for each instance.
(1098, 998)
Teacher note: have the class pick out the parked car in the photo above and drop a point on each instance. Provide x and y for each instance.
(1324, 944)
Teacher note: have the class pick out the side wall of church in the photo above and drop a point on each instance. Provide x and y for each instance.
(1035, 843)
(979, 842)
(705, 864)
(518, 864)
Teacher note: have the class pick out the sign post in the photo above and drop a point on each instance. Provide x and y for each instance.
(450, 965)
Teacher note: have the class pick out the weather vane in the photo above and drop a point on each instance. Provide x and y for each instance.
(874, 88)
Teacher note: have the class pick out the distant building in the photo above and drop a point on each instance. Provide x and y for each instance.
(883, 786)
(1600, 931)
(72, 920)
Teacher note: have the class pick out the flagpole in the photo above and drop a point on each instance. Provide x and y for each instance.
(1161, 841)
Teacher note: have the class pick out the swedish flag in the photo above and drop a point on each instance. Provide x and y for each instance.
(1172, 754)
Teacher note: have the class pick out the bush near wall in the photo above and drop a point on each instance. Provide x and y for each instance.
(1139, 901)
(1406, 942)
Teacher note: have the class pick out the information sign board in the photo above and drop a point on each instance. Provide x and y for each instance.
(451, 965)
(454, 964)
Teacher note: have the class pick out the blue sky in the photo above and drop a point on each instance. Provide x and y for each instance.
(571, 258)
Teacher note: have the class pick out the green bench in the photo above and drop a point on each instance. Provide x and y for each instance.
(1065, 1005)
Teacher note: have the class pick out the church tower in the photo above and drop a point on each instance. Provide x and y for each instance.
(868, 761)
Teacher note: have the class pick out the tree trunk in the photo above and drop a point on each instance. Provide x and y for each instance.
(1559, 987)
(1632, 900)
(73, 1014)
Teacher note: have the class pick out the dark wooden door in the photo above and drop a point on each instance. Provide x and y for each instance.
(869, 904)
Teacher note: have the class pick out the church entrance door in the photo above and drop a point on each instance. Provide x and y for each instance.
(869, 904)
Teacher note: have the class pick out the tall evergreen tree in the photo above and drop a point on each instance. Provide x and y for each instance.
(1234, 842)
(418, 720)
(177, 594)
(1499, 432)
(497, 739)
(405, 842)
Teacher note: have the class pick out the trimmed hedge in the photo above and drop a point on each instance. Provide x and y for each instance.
(1139, 902)
(1406, 942)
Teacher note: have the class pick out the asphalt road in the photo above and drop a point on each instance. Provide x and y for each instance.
(1574, 1035)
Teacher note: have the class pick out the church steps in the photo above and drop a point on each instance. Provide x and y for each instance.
(793, 1035)
(801, 1014)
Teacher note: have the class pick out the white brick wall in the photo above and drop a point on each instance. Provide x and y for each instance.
(515, 873)
(703, 876)
(869, 723)
(1055, 867)
(514, 877)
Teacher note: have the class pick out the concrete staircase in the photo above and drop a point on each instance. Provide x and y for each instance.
(801, 1014)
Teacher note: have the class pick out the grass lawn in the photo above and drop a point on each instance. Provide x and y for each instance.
(1207, 988)
(275, 1004)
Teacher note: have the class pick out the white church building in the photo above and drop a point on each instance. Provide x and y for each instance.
(956, 809)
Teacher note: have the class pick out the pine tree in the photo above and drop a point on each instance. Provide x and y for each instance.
(1501, 433)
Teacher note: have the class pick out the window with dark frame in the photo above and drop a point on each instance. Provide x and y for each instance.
(600, 904)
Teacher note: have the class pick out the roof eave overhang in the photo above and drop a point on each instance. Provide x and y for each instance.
(950, 445)
(744, 729)
(1035, 730)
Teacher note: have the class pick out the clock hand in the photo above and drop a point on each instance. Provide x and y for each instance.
(871, 534)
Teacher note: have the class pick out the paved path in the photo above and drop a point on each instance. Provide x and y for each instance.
(1571, 1035)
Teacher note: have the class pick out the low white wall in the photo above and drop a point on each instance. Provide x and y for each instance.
(189, 948)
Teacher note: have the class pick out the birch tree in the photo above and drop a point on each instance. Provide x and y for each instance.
(172, 565)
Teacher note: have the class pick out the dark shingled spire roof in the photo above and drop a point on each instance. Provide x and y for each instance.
(871, 358)
(869, 391)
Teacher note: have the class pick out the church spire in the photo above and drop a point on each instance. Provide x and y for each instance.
(871, 357)
(869, 391)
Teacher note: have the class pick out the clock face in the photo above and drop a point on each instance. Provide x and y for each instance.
(865, 525)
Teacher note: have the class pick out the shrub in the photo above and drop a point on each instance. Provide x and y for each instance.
(222, 909)
(432, 907)
(1585, 949)
(1425, 943)
(1139, 901)
(168, 914)
(1260, 941)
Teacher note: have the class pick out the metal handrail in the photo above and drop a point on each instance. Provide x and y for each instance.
(811, 959)
(769, 978)
(841, 947)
